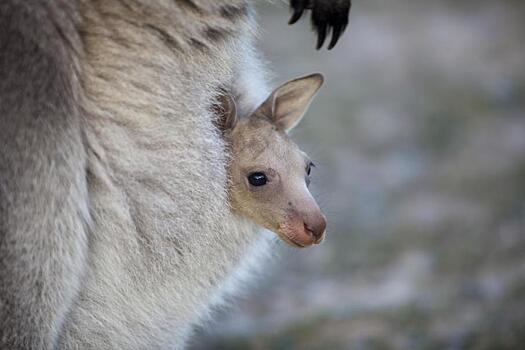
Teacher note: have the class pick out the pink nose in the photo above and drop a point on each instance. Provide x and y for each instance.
(316, 226)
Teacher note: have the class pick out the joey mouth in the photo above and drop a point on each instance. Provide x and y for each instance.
(297, 234)
(289, 240)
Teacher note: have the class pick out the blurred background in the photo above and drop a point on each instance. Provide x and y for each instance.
(419, 140)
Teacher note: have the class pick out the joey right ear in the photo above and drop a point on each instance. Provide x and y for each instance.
(288, 103)
(226, 112)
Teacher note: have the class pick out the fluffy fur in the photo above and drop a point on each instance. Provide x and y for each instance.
(163, 238)
(108, 127)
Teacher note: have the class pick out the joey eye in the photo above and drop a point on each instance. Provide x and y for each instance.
(309, 168)
(257, 179)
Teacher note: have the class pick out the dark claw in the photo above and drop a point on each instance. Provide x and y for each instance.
(298, 9)
(321, 34)
(336, 33)
(339, 26)
(296, 16)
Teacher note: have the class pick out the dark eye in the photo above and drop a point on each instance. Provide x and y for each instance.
(309, 168)
(257, 179)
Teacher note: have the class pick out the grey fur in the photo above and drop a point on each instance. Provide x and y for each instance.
(115, 229)
(43, 189)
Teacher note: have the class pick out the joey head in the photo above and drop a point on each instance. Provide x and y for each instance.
(268, 173)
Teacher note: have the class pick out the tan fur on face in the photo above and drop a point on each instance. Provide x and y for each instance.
(259, 144)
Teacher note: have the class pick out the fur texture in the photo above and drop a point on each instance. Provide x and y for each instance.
(43, 188)
(163, 238)
(115, 227)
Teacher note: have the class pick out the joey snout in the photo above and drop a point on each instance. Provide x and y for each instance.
(303, 228)
(316, 225)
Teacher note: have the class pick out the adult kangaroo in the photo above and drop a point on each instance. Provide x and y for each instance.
(115, 229)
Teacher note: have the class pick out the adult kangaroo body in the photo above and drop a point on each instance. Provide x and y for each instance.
(115, 229)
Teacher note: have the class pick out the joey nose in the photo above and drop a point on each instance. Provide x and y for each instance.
(316, 226)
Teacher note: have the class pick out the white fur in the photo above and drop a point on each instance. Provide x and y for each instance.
(164, 245)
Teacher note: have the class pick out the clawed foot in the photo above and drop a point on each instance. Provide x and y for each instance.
(327, 15)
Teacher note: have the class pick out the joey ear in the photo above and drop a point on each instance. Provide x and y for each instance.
(288, 103)
(226, 112)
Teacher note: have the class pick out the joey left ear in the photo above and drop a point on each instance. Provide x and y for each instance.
(288, 103)
(226, 112)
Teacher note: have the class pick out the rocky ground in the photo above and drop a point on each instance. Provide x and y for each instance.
(419, 138)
